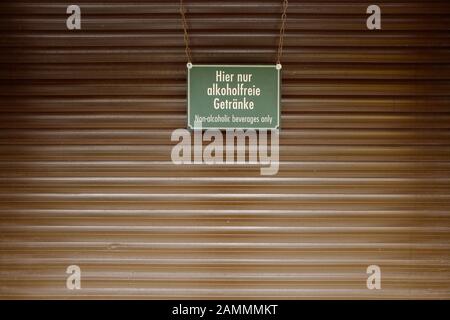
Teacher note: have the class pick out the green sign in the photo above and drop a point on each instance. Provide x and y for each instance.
(234, 96)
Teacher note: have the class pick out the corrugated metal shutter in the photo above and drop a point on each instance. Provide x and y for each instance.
(86, 176)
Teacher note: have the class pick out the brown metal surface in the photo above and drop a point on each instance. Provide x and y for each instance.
(86, 176)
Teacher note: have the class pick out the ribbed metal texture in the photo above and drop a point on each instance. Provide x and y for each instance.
(86, 176)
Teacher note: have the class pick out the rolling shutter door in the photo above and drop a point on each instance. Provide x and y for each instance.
(86, 175)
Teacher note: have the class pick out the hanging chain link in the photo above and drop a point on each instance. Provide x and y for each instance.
(283, 26)
(185, 28)
(186, 35)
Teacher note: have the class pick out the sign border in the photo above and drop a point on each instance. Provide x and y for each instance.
(190, 66)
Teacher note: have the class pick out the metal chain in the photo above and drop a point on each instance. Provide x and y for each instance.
(185, 28)
(283, 26)
(186, 36)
